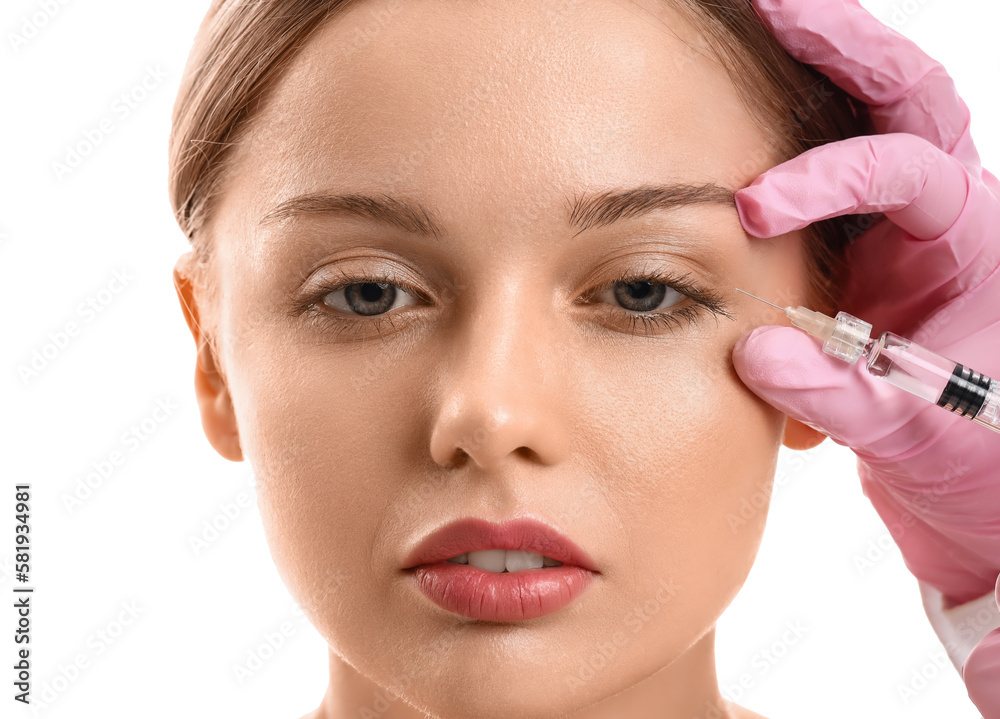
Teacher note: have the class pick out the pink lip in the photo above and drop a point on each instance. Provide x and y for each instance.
(471, 534)
(506, 596)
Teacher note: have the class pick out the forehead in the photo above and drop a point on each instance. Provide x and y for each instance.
(488, 101)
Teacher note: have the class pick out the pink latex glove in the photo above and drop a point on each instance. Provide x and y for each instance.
(927, 271)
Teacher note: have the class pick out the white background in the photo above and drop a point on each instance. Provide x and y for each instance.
(200, 614)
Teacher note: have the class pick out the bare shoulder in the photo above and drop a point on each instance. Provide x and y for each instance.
(738, 712)
(314, 714)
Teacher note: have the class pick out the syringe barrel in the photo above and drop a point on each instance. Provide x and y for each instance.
(937, 379)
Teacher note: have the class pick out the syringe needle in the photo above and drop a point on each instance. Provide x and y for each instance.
(814, 323)
(758, 298)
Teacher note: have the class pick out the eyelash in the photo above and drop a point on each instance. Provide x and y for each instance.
(705, 301)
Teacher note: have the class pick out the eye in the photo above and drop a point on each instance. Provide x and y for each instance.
(358, 305)
(656, 299)
(367, 298)
(642, 295)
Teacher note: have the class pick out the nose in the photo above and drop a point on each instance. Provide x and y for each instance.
(499, 384)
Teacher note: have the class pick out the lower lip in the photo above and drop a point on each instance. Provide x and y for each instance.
(504, 596)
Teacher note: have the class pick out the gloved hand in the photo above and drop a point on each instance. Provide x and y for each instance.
(928, 271)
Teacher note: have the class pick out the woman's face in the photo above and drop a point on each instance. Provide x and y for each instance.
(503, 371)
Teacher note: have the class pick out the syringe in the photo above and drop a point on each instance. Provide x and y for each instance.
(903, 363)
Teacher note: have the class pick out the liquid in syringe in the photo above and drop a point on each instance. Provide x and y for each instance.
(903, 363)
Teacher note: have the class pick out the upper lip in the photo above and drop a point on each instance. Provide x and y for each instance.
(471, 534)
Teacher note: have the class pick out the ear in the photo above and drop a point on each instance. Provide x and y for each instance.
(217, 416)
(801, 436)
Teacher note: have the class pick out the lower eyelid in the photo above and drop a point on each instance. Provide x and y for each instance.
(654, 323)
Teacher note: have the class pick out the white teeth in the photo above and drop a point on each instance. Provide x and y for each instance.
(500, 560)
(516, 561)
(492, 560)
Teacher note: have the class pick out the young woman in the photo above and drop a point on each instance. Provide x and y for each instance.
(462, 290)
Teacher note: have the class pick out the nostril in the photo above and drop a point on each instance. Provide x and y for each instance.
(459, 458)
(528, 453)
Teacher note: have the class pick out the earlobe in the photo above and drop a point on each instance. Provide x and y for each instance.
(218, 419)
(801, 436)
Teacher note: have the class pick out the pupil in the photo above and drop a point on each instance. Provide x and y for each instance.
(640, 288)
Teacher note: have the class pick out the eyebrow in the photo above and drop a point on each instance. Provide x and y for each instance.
(585, 211)
(593, 210)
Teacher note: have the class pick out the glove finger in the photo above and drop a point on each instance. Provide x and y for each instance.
(789, 370)
(925, 188)
(920, 189)
(981, 674)
(906, 90)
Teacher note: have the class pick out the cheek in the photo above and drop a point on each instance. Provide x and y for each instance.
(693, 454)
(320, 443)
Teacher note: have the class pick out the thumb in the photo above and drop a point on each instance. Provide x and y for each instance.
(789, 370)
